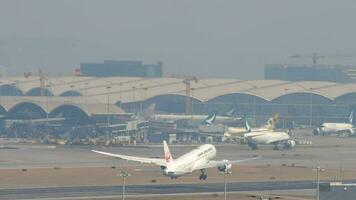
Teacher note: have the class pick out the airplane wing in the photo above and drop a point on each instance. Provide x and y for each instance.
(345, 130)
(215, 163)
(274, 141)
(156, 161)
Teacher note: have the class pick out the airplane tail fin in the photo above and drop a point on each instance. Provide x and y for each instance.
(167, 154)
(351, 117)
(271, 123)
(210, 119)
(247, 126)
(231, 112)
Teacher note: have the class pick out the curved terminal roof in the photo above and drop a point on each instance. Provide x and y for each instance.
(131, 89)
(90, 107)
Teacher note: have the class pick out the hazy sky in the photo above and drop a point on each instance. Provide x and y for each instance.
(220, 38)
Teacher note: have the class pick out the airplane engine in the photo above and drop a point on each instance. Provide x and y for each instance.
(316, 131)
(164, 172)
(290, 144)
(225, 168)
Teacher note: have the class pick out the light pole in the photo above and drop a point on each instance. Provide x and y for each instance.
(72, 92)
(318, 169)
(124, 175)
(311, 109)
(120, 94)
(48, 86)
(254, 109)
(226, 173)
(1, 92)
(86, 93)
(134, 98)
(108, 110)
(143, 99)
(192, 106)
(16, 85)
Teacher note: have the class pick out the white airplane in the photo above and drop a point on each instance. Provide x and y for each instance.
(254, 138)
(197, 159)
(239, 131)
(339, 128)
(150, 113)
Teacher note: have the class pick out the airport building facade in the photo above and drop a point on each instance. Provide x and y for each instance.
(81, 103)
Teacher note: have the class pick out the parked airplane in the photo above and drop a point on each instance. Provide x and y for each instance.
(254, 138)
(338, 128)
(237, 131)
(150, 113)
(197, 159)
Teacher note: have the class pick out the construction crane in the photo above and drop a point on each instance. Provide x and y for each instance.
(42, 82)
(316, 56)
(188, 104)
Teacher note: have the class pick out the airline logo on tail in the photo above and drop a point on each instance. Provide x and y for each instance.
(271, 123)
(351, 117)
(167, 154)
(168, 157)
(210, 119)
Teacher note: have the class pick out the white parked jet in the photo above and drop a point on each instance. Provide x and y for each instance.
(338, 128)
(239, 131)
(197, 159)
(150, 114)
(254, 138)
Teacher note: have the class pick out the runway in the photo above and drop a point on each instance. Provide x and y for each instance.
(102, 191)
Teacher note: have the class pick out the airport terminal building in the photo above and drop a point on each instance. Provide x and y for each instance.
(303, 102)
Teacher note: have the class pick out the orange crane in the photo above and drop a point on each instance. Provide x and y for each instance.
(188, 89)
(316, 56)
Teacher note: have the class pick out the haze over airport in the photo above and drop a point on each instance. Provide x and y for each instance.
(177, 99)
(225, 39)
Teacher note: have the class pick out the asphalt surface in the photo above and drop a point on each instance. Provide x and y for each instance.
(102, 191)
(344, 193)
(328, 152)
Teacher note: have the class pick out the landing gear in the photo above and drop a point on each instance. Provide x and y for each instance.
(174, 177)
(203, 175)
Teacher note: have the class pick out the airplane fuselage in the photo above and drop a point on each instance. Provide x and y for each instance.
(266, 137)
(188, 162)
(335, 127)
(174, 117)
